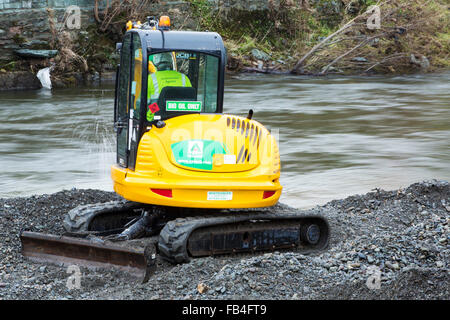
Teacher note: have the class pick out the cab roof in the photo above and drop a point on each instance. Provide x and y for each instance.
(182, 40)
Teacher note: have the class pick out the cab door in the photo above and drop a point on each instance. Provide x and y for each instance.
(121, 121)
(136, 89)
(128, 101)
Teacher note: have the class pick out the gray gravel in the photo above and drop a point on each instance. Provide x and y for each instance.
(384, 245)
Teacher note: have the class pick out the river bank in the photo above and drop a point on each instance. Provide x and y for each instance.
(384, 245)
(314, 37)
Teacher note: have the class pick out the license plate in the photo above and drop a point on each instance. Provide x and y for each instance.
(220, 195)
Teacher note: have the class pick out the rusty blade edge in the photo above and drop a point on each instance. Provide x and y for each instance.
(66, 251)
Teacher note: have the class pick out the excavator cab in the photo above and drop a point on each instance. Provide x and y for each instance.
(175, 147)
(149, 90)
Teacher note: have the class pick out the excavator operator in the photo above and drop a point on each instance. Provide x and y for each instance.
(162, 73)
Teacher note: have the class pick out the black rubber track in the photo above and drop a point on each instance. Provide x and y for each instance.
(82, 218)
(174, 237)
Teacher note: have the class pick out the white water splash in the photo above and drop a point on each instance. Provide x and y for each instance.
(44, 76)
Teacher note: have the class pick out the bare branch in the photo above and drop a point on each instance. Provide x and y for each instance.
(319, 45)
(391, 57)
(363, 43)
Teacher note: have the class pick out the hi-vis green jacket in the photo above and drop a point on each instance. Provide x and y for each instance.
(166, 78)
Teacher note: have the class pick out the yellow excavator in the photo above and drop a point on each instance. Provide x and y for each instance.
(197, 180)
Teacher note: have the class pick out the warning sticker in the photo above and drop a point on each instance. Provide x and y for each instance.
(154, 107)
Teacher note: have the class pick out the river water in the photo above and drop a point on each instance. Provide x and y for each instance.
(338, 136)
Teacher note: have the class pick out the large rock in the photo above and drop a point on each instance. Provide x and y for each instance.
(421, 61)
(260, 55)
(20, 80)
(36, 45)
(37, 54)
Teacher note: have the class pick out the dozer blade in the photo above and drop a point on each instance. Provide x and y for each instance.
(64, 250)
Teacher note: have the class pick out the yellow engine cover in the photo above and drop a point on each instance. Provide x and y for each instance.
(204, 161)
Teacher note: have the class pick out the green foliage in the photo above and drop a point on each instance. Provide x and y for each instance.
(356, 7)
(19, 39)
(329, 13)
(9, 66)
(204, 13)
(275, 31)
(318, 29)
(97, 48)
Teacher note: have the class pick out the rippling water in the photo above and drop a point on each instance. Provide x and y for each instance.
(337, 136)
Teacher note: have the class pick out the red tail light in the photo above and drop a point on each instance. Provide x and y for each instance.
(163, 192)
(268, 194)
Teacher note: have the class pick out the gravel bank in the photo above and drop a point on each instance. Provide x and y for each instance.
(384, 245)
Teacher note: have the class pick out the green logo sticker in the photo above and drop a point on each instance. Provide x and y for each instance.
(197, 153)
(192, 106)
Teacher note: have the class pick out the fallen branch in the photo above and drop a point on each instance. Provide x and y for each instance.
(363, 43)
(265, 70)
(97, 18)
(318, 46)
(391, 57)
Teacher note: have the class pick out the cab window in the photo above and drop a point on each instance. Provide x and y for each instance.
(207, 82)
(181, 82)
(124, 79)
(136, 69)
